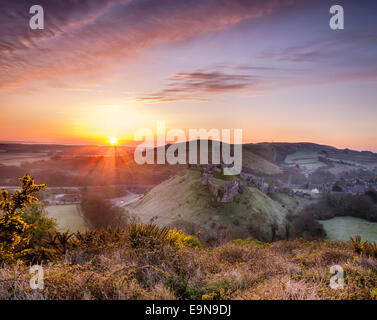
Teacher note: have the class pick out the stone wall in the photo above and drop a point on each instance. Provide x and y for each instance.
(228, 191)
(253, 181)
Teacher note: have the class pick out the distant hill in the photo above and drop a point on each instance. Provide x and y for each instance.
(310, 156)
(273, 158)
(286, 162)
(261, 158)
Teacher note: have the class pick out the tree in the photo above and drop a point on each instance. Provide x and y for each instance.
(41, 224)
(101, 213)
(14, 240)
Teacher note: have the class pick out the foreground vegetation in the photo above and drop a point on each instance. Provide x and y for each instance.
(245, 269)
(144, 261)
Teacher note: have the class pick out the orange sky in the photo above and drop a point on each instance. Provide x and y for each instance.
(112, 67)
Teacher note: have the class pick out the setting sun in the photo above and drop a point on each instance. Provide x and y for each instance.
(113, 141)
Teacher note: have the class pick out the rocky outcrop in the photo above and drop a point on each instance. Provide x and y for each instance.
(226, 192)
(231, 190)
(205, 178)
(214, 189)
(290, 192)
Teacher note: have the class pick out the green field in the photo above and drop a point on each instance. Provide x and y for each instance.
(342, 228)
(67, 217)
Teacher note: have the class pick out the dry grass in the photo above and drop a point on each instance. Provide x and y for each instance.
(244, 270)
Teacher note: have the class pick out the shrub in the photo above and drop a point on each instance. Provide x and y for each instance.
(101, 213)
(40, 224)
(146, 236)
(304, 225)
(100, 238)
(248, 242)
(14, 240)
(364, 247)
(335, 205)
(151, 236)
(182, 240)
(372, 195)
(187, 227)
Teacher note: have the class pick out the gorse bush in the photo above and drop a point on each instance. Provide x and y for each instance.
(14, 240)
(248, 242)
(152, 236)
(180, 239)
(147, 237)
(100, 238)
(364, 247)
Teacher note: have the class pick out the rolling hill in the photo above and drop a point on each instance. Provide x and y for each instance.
(183, 198)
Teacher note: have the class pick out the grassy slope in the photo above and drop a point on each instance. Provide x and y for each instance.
(183, 198)
(293, 204)
(259, 164)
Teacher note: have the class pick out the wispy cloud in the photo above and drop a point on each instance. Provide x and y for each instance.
(88, 36)
(195, 85)
(157, 98)
(334, 48)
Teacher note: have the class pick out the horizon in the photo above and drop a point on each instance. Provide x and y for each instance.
(104, 69)
(167, 144)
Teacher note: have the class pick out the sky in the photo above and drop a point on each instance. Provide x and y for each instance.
(105, 68)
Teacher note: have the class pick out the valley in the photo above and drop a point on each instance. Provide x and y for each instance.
(277, 180)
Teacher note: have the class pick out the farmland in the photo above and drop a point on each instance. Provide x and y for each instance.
(305, 158)
(67, 217)
(342, 228)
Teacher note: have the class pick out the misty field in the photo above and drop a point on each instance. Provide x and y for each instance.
(305, 158)
(67, 217)
(342, 228)
(15, 159)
